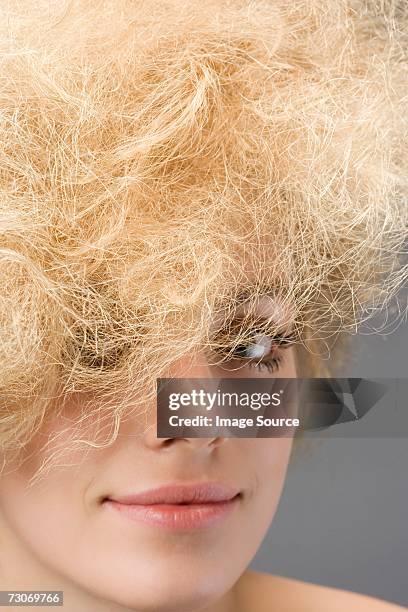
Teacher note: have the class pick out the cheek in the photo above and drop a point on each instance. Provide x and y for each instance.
(44, 491)
(46, 516)
(268, 458)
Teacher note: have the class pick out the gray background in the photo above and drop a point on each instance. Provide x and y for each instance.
(343, 517)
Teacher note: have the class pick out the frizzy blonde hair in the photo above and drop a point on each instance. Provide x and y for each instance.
(161, 158)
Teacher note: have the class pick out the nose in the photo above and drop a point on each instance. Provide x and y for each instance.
(187, 367)
(203, 445)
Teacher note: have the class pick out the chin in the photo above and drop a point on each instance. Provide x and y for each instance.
(175, 589)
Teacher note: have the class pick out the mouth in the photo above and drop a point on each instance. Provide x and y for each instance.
(178, 506)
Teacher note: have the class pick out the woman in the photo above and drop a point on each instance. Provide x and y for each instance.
(187, 190)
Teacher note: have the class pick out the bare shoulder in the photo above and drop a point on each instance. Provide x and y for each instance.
(257, 590)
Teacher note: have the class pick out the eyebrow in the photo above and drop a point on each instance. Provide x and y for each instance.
(259, 290)
(284, 321)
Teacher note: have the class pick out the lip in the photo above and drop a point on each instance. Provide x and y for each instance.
(178, 506)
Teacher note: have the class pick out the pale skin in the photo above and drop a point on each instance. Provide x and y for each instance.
(56, 534)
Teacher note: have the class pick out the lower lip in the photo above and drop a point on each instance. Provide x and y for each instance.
(176, 516)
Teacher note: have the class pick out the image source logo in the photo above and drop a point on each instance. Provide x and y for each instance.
(276, 407)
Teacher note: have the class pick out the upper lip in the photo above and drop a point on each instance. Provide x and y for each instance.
(200, 493)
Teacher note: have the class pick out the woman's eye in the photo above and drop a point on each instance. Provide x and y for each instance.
(261, 352)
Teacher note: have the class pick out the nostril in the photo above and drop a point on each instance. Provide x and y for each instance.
(168, 441)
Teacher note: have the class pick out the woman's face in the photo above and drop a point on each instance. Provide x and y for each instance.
(64, 532)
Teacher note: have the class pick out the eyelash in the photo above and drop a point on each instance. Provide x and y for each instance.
(271, 363)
